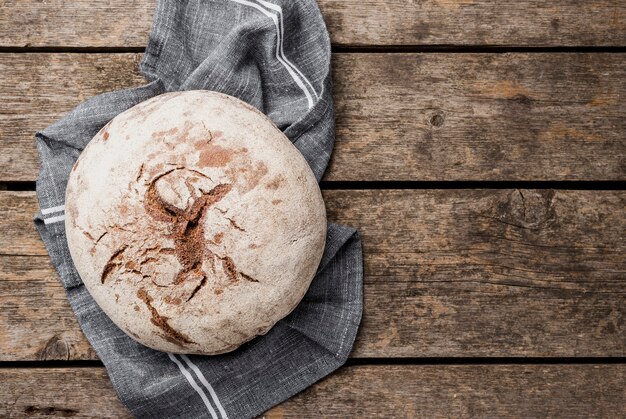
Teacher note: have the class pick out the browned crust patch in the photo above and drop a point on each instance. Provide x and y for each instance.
(123, 209)
(215, 156)
(166, 133)
(276, 183)
(170, 300)
(255, 175)
(217, 239)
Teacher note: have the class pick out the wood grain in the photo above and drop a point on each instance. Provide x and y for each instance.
(448, 273)
(408, 391)
(125, 23)
(399, 116)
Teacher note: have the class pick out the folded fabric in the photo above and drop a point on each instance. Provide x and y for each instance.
(275, 56)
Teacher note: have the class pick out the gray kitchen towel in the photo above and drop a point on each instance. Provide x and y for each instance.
(276, 56)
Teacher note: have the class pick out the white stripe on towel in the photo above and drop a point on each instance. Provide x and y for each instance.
(52, 210)
(53, 220)
(193, 383)
(293, 74)
(279, 9)
(206, 384)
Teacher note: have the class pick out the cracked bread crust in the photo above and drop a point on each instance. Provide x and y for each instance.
(194, 223)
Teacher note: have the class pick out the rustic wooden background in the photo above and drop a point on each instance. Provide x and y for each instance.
(481, 152)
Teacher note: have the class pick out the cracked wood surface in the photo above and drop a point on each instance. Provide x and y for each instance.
(400, 391)
(125, 23)
(448, 273)
(432, 116)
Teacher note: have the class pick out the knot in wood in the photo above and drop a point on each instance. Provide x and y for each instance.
(528, 209)
(436, 120)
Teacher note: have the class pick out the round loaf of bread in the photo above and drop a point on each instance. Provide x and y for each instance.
(194, 223)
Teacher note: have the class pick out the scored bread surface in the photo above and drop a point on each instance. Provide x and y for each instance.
(194, 223)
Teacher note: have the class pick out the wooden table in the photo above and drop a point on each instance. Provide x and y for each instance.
(481, 152)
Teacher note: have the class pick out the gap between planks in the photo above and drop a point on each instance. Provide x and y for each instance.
(579, 185)
(350, 362)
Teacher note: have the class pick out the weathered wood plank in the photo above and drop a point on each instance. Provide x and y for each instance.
(119, 23)
(399, 116)
(408, 391)
(480, 117)
(447, 273)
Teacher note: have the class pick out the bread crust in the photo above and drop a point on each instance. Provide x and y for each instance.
(194, 223)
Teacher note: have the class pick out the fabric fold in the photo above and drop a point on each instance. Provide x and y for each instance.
(275, 56)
